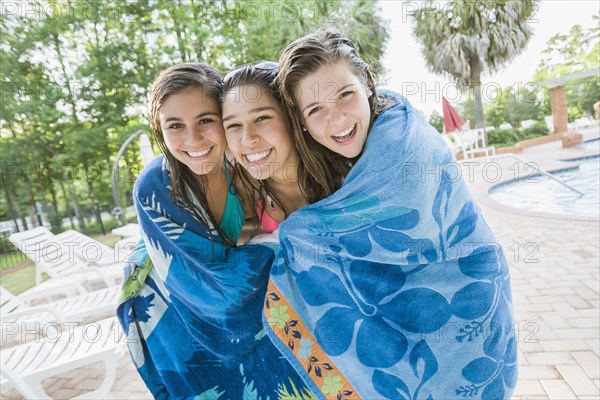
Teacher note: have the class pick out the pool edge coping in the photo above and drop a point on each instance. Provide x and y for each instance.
(486, 199)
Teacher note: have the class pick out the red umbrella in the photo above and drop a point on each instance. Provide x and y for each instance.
(452, 121)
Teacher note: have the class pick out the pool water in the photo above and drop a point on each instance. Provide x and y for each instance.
(593, 144)
(549, 196)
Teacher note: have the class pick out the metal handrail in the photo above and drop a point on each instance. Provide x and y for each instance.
(117, 210)
(540, 170)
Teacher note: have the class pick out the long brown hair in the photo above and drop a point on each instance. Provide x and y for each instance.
(303, 57)
(186, 186)
(261, 74)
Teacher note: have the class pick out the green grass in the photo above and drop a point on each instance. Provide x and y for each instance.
(11, 259)
(24, 277)
(108, 240)
(19, 281)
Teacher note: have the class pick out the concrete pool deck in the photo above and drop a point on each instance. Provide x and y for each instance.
(554, 261)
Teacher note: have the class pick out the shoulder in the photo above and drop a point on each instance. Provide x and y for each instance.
(403, 125)
(396, 106)
(391, 98)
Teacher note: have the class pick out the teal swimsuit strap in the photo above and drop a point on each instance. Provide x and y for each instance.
(233, 216)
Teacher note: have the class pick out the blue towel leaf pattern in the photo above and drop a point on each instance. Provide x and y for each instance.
(408, 291)
(390, 386)
(195, 324)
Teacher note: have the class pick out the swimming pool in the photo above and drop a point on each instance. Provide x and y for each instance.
(593, 144)
(549, 196)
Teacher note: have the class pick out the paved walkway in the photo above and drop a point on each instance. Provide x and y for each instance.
(554, 263)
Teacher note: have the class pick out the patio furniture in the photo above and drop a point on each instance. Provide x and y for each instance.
(53, 257)
(17, 316)
(91, 251)
(49, 290)
(472, 142)
(453, 145)
(25, 366)
(584, 122)
(130, 231)
(131, 235)
(528, 123)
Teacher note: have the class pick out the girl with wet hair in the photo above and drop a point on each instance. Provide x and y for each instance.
(392, 279)
(259, 136)
(331, 54)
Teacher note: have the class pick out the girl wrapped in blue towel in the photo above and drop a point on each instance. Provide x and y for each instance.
(390, 284)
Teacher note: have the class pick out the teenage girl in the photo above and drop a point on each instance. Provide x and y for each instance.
(259, 136)
(406, 291)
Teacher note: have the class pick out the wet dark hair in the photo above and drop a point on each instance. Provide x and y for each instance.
(301, 58)
(261, 74)
(186, 185)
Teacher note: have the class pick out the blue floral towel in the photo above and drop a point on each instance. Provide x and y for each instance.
(395, 287)
(191, 308)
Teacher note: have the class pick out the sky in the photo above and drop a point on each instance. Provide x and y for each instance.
(408, 73)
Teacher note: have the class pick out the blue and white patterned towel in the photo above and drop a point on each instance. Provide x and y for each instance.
(191, 307)
(395, 286)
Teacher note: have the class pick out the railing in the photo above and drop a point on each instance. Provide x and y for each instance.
(540, 170)
(147, 154)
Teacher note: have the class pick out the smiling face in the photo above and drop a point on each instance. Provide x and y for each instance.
(192, 130)
(334, 108)
(258, 132)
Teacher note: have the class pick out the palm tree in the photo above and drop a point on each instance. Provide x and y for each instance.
(462, 38)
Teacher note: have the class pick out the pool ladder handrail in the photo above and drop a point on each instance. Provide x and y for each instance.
(540, 170)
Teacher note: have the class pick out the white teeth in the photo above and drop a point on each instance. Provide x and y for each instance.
(344, 133)
(258, 156)
(199, 153)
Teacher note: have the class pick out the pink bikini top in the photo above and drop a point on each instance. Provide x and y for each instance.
(268, 223)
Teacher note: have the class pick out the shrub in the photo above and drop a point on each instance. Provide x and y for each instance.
(536, 130)
(509, 137)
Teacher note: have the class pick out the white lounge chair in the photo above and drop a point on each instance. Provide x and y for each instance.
(25, 366)
(53, 257)
(528, 123)
(89, 250)
(473, 142)
(17, 316)
(584, 122)
(51, 289)
(131, 231)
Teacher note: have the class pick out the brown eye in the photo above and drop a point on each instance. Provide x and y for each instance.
(314, 110)
(232, 126)
(262, 118)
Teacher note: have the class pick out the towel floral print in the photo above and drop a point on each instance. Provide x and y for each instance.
(291, 331)
(332, 384)
(305, 348)
(278, 316)
(417, 259)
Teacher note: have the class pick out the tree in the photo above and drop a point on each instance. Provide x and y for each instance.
(75, 79)
(512, 104)
(437, 121)
(521, 104)
(464, 38)
(577, 51)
